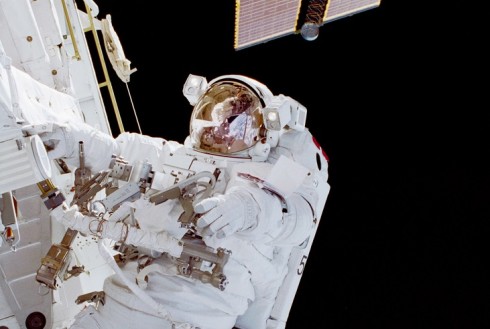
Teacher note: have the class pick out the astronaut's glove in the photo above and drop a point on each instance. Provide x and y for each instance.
(226, 214)
(63, 142)
(65, 214)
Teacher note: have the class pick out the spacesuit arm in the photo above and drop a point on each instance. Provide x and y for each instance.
(280, 221)
(256, 214)
(64, 139)
(135, 147)
(63, 143)
(118, 231)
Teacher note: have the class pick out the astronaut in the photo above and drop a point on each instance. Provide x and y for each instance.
(251, 185)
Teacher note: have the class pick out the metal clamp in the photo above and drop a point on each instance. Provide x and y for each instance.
(92, 297)
(55, 263)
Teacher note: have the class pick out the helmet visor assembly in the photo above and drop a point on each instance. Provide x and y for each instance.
(227, 119)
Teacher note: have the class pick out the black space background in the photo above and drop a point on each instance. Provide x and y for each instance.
(392, 96)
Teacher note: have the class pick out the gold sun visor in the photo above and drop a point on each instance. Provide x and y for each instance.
(227, 119)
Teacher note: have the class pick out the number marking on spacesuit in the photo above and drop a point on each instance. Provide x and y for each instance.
(302, 265)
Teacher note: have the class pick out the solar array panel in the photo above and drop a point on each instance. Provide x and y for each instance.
(258, 21)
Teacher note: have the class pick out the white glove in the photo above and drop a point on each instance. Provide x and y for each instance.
(226, 214)
(64, 214)
(64, 142)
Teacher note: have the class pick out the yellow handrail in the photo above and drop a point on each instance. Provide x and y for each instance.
(70, 28)
(107, 83)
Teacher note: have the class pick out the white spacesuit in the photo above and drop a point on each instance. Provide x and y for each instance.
(211, 223)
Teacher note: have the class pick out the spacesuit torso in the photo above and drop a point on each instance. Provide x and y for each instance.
(256, 267)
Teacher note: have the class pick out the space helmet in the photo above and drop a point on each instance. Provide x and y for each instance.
(227, 118)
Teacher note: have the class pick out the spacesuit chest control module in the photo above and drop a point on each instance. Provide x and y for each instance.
(213, 232)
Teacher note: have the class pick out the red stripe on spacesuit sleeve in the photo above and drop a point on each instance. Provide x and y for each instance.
(320, 148)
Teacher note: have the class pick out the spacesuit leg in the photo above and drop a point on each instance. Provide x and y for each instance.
(114, 315)
(88, 318)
